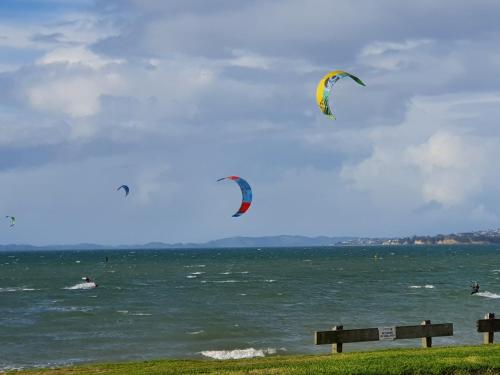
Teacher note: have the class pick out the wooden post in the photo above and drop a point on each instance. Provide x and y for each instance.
(426, 341)
(337, 348)
(488, 336)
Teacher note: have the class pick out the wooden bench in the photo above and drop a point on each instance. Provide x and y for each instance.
(339, 336)
(488, 325)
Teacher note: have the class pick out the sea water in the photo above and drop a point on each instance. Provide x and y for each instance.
(232, 303)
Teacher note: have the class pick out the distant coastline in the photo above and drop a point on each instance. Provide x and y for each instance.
(483, 237)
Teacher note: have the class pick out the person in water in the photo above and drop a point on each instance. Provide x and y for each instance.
(89, 280)
(475, 288)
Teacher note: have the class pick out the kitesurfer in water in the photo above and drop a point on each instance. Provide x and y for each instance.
(475, 288)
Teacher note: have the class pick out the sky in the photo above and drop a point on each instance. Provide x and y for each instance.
(169, 96)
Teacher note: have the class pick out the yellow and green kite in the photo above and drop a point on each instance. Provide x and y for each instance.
(324, 90)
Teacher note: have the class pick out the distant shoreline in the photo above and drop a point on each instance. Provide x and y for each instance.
(484, 237)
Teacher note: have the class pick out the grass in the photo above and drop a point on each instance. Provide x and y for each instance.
(477, 360)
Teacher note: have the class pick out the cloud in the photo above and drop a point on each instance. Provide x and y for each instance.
(76, 96)
(435, 155)
(392, 55)
(76, 55)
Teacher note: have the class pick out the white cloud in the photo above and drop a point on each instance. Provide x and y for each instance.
(394, 56)
(79, 55)
(452, 166)
(379, 48)
(436, 155)
(250, 60)
(76, 96)
(154, 183)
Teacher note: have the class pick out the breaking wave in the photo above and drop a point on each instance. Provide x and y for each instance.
(81, 286)
(427, 286)
(238, 353)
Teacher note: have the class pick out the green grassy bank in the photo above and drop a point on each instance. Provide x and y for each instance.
(450, 360)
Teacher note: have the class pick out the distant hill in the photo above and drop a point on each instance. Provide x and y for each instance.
(276, 241)
(267, 241)
(483, 237)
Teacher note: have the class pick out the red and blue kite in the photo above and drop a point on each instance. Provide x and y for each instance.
(246, 192)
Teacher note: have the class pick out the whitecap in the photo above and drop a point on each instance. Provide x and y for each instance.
(197, 273)
(195, 332)
(225, 281)
(77, 261)
(16, 289)
(427, 286)
(270, 281)
(191, 277)
(141, 314)
(122, 311)
(488, 295)
(82, 286)
(238, 353)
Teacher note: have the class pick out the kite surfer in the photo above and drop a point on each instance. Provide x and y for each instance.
(475, 287)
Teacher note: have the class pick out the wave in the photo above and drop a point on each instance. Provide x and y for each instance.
(195, 332)
(488, 295)
(427, 286)
(16, 289)
(71, 309)
(222, 281)
(238, 353)
(81, 286)
(126, 312)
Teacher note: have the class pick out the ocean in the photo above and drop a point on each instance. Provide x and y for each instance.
(232, 303)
